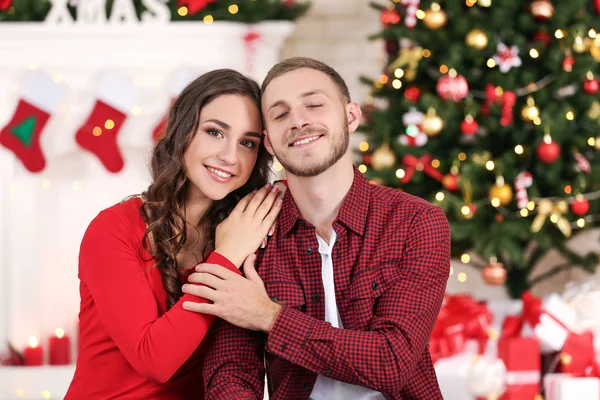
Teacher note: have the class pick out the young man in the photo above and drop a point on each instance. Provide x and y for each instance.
(355, 272)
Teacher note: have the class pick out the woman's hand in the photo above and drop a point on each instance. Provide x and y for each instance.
(240, 234)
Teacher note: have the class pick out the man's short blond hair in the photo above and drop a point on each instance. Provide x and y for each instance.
(295, 63)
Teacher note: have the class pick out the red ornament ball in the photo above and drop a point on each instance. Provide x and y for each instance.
(580, 206)
(542, 37)
(590, 86)
(367, 159)
(469, 126)
(454, 88)
(568, 63)
(412, 94)
(450, 181)
(548, 152)
(390, 17)
(494, 274)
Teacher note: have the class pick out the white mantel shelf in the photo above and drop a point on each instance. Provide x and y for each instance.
(25, 45)
(35, 383)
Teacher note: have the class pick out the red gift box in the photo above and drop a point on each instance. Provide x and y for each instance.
(577, 356)
(522, 359)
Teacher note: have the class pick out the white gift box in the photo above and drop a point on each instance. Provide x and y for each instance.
(552, 331)
(566, 387)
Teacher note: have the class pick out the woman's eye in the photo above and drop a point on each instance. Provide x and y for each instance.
(248, 143)
(214, 132)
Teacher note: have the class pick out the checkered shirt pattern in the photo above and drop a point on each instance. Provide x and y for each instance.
(391, 264)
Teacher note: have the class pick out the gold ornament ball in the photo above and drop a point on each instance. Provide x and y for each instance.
(435, 19)
(529, 113)
(432, 124)
(477, 39)
(503, 193)
(542, 9)
(383, 157)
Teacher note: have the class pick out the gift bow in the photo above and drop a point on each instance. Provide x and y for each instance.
(507, 99)
(410, 57)
(547, 207)
(422, 163)
(577, 355)
(461, 318)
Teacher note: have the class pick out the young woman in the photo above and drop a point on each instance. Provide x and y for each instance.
(136, 340)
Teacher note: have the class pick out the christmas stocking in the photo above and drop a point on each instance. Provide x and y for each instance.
(98, 134)
(40, 99)
(180, 81)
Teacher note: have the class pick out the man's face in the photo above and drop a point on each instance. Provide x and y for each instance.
(307, 121)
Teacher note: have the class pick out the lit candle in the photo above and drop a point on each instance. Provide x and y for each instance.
(33, 354)
(60, 348)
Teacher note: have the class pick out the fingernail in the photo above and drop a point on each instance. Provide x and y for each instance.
(184, 287)
(279, 202)
(275, 189)
(271, 231)
(254, 191)
(268, 185)
(253, 258)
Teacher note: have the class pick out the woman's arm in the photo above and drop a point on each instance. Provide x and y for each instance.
(155, 346)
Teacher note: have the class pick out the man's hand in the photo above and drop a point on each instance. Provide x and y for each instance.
(240, 301)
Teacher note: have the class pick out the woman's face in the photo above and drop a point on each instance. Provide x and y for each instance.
(224, 149)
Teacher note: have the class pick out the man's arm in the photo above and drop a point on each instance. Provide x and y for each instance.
(384, 357)
(234, 366)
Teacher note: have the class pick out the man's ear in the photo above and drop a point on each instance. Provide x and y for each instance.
(267, 143)
(354, 114)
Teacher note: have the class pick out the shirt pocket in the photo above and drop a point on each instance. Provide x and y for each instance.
(286, 293)
(366, 288)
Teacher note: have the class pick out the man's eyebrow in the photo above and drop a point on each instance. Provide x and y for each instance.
(305, 94)
(218, 122)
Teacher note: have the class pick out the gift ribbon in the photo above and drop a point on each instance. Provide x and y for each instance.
(251, 38)
(522, 377)
(547, 207)
(422, 163)
(507, 101)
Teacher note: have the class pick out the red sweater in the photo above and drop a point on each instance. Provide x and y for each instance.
(130, 345)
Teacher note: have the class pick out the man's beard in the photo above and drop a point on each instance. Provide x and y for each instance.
(308, 168)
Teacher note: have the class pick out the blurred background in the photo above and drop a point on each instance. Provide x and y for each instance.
(486, 108)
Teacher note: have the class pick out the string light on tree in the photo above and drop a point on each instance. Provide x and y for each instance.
(530, 111)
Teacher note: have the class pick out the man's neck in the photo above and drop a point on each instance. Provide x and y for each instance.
(320, 197)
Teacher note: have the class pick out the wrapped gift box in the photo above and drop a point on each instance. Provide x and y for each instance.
(550, 321)
(566, 387)
(522, 359)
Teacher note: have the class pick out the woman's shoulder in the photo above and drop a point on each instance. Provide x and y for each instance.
(125, 214)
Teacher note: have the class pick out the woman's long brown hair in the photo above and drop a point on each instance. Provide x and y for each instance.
(164, 205)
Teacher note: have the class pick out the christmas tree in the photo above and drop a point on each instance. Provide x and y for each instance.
(490, 110)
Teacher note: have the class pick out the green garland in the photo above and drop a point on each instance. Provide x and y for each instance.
(249, 11)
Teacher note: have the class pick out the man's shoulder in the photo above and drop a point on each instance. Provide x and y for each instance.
(398, 202)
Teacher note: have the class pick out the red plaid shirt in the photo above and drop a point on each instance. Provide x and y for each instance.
(391, 263)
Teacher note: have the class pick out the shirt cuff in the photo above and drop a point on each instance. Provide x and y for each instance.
(217, 258)
(290, 332)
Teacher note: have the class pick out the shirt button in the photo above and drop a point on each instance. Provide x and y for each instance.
(275, 299)
(316, 297)
(375, 285)
(301, 223)
(306, 386)
(309, 251)
(328, 372)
